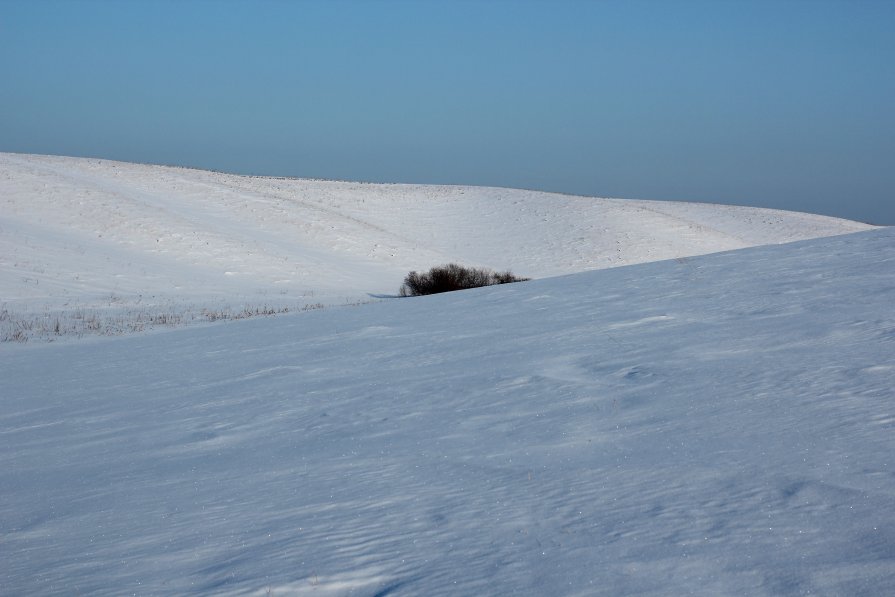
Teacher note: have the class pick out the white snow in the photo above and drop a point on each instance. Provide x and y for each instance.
(100, 247)
(714, 425)
(710, 425)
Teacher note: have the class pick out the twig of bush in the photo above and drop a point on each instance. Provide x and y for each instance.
(450, 277)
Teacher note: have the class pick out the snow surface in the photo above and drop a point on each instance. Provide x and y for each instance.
(100, 247)
(716, 425)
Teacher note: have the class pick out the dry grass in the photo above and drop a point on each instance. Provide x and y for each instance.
(116, 321)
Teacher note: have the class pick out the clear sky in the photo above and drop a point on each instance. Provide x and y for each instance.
(778, 104)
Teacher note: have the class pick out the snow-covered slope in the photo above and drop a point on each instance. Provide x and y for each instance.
(99, 246)
(718, 425)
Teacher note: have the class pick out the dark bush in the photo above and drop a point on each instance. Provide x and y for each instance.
(447, 278)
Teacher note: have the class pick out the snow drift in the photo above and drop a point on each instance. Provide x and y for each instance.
(716, 425)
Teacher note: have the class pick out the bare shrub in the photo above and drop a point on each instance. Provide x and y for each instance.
(450, 277)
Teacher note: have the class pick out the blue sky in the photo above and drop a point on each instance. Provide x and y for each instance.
(777, 104)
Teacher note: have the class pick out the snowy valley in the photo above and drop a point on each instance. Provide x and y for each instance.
(95, 247)
(689, 424)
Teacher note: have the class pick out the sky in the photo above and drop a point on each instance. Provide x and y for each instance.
(775, 104)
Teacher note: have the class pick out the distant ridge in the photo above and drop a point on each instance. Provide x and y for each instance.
(79, 233)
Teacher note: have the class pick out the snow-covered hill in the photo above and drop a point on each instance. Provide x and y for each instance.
(716, 425)
(93, 246)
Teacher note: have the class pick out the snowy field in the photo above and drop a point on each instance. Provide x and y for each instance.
(711, 425)
(94, 247)
(715, 425)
